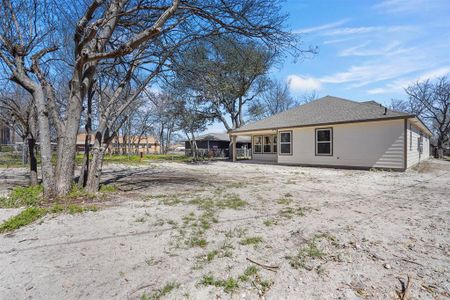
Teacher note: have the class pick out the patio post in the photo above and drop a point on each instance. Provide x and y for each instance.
(233, 138)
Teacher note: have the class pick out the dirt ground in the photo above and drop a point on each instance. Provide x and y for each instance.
(178, 231)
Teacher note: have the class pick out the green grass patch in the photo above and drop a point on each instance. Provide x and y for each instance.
(136, 159)
(232, 201)
(251, 240)
(78, 209)
(108, 188)
(211, 255)
(10, 159)
(23, 196)
(160, 293)
(223, 201)
(311, 251)
(229, 285)
(290, 212)
(270, 222)
(197, 241)
(284, 201)
(170, 200)
(32, 213)
(27, 216)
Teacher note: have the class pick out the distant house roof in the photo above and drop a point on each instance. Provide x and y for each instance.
(326, 110)
(223, 137)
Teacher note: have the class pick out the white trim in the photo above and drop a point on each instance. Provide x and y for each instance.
(285, 143)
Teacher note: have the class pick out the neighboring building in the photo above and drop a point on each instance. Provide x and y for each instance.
(121, 145)
(336, 132)
(218, 144)
(7, 135)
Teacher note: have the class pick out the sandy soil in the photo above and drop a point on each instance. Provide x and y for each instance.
(331, 234)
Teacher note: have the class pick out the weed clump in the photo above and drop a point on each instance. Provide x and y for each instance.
(27, 216)
(23, 196)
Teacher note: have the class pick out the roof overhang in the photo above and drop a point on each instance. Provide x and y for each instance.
(275, 129)
(254, 132)
(418, 122)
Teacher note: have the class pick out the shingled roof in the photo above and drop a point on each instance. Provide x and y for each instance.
(326, 110)
(223, 137)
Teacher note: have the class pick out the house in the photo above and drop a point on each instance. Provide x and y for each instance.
(7, 135)
(125, 144)
(218, 144)
(337, 132)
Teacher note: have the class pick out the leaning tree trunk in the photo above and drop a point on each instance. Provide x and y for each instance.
(68, 147)
(33, 161)
(95, 170)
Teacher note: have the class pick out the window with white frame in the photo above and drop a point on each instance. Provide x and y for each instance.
(420, 143)
(267, 144)
(285, 142)
(324, 141)
(257, 141)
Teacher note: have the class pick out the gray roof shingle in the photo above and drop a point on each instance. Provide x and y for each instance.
(224, 137)
(325, 110)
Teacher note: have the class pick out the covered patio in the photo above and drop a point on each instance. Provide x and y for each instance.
(264, 145)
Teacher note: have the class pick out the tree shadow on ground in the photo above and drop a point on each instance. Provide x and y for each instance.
(133, 180)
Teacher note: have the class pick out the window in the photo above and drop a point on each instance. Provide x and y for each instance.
(420, 143)
(267, 144)
(285, 142)
(410, 137)
(257, 140)
(275, 145)
(324, 141)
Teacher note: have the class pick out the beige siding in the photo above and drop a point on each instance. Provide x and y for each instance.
(412, 145)
(265, 157)
(366, 144)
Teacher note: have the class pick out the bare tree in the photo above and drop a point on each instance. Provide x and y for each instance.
(308, 97)
(400, 105)
(163, 118)
(275, 99)
(17, 111)
(431, 101)
(105, 30)
(227, 74)
(190, 119)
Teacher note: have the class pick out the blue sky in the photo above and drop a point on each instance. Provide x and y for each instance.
(368, 50)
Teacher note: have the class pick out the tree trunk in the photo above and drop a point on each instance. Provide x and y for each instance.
(85, 164)
(33, 161)
(48, 179)
(25, 151)
(87, 141)
(68, 147)
(95, 170)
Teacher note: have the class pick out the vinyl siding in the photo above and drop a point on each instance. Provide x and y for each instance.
(412, 145)
(265, 157)
(366, 144)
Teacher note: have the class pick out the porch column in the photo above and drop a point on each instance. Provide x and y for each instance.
(233, 138)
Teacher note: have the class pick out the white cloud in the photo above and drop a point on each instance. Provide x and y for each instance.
(400, 84)
(408, 6)
(372, 72)
(321, 27)
(302, 84)
(365, 49)
(343, 31)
